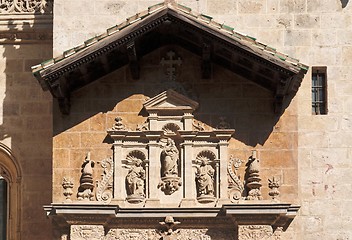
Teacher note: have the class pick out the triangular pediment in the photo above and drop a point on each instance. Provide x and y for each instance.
(163, 24)
(170, 100)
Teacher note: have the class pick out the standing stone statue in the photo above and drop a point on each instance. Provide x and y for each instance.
(169, 159)
(205, 179)
(135, 181)
(170, 181)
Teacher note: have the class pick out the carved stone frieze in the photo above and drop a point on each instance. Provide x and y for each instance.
(258, 232)
(83, 232)
(131, 234)
(105, 185)
(26, 6)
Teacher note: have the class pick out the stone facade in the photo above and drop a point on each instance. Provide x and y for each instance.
(309, 154)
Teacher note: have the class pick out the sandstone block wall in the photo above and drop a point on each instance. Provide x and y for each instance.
(316, 32)
(26, 128)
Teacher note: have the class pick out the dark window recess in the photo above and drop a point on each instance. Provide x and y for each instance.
(3, 208)
(319, 91)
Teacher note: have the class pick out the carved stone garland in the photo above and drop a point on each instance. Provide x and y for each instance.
(26, 6)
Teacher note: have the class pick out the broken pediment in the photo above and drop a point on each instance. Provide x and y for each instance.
(163, 24)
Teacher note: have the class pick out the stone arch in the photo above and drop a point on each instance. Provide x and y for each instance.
(10, 170)
(171, 129)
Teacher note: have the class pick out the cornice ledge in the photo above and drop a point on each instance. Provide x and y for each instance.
(274, 214)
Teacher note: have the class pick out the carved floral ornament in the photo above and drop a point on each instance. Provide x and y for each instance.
(26, 6)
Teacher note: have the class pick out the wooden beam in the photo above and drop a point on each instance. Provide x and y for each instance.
(133, 60)
(206, 63)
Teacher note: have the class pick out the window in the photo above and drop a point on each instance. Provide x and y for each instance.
(10, 191)
(319, 91)
(3, 208)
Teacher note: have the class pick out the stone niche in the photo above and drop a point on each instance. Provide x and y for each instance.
(170, 160)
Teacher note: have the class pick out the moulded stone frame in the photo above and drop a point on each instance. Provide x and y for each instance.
(9, 164)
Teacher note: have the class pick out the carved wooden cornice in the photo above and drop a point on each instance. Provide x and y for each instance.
(170, 24)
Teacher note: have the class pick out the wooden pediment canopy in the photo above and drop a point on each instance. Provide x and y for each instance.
(163, 24)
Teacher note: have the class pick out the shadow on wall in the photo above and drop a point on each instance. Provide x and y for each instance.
(344, 3)
(26, 121)
(247, 107)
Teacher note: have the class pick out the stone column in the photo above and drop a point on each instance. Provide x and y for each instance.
(189, 192)
(154, 171)
(119, 180)
(223, 194)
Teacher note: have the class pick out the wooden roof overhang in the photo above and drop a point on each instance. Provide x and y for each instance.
(126, 43)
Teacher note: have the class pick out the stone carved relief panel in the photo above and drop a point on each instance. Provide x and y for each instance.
(179, 234)
(26, 6)
(258, 232)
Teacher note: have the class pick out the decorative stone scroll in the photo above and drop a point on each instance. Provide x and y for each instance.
(85, 190)
(26, 6)
(105, 186)
(236, 187)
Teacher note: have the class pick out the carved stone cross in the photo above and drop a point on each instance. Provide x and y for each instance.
(170, 63)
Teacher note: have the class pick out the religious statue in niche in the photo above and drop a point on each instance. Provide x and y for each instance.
(205, 178)
(205, 174)
(170, 181)
(135, 178)
(85, 190)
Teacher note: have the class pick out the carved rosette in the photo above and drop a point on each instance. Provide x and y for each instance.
(105, 185)
(28, 6)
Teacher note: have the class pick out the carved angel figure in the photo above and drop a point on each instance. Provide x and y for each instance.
(169, 159)
(205, 178)
(135, 179)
